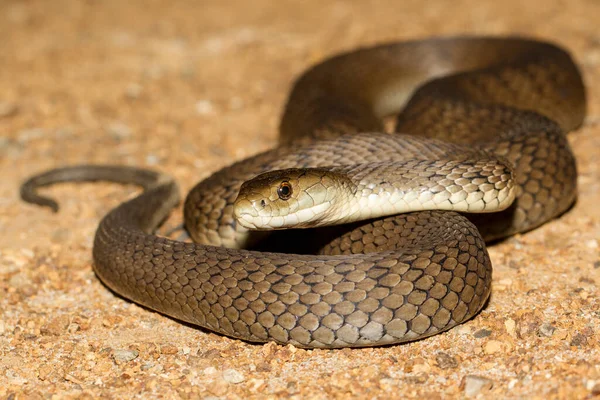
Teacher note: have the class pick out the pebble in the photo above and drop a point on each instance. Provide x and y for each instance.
(15, 378)
(233, 376)
(445, 360)
(561, 334)
(210, 354)
(418, 368)
(19, 281)
(482, 333)
(11, 262)
(125, 355)
(493, 346)
(146, 366)
(511, 327)
(591, 244)
(474, 384)
(204, 107)
(45, 371)
(169, 349)
(57, 326)
(73, 328)
(546, 329)
(579, 340)
(152, 159)
(256, 384)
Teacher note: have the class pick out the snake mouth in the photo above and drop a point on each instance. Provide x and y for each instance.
(252, 215)
(245, 213)
(248, 216)
(246, 222)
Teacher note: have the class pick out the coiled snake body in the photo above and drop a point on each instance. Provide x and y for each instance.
(483, 123)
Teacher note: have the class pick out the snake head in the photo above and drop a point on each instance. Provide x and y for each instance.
(289, 198)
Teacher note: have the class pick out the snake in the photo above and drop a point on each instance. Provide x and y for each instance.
(409, 157)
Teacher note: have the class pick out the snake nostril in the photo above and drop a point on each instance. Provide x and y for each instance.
(263, 203)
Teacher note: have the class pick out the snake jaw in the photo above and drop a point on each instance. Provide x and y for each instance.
(302, 219)
(257, 212)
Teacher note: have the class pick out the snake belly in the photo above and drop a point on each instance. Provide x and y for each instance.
(390, 280)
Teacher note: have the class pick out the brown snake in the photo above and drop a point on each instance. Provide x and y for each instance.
(504, 104)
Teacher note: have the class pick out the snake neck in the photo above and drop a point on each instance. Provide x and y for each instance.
(384, 189)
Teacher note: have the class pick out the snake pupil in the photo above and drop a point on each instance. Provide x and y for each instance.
(284, 191)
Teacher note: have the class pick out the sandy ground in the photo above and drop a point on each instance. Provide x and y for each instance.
(187, 87)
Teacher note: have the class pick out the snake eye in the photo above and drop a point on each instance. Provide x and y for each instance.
(284, 191)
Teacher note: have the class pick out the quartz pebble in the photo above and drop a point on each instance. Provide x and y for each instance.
(473, 385)
(124, 355)
(233, 376)
(511, 327)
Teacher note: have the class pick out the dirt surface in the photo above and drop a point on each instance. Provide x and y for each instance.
(187, 87)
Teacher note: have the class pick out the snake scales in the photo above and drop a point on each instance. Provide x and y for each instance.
(482, 121)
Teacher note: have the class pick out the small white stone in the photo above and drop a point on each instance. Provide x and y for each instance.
(205, 107)
(589, 385)
(152, 159)
(473, 385)
(510, 326)
(233, 376)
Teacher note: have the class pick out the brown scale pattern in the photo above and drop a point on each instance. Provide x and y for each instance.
(342, 301)
(386, 281)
